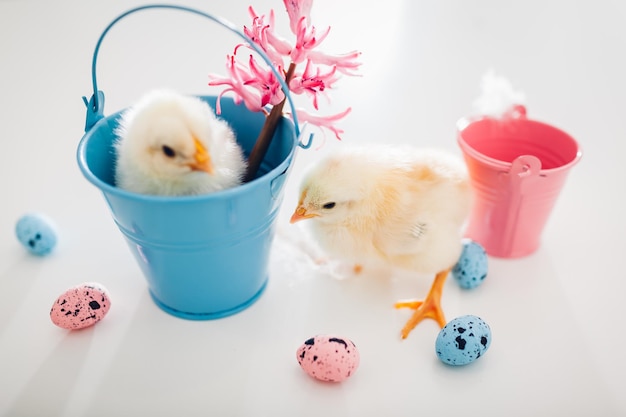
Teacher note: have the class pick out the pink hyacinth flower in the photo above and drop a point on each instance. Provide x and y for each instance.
(306, 40)
(297, 9)
(262, 34)
(312, 81)
(346, 63)
(266, 83)
(237, 83)
(257, 86)
(326, 122)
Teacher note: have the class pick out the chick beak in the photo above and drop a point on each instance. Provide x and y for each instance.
(201, 159)
(301, 214)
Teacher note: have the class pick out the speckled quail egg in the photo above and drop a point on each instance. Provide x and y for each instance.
(463, 340)
(471, 269)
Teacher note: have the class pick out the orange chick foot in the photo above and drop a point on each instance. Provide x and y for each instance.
(428, 308)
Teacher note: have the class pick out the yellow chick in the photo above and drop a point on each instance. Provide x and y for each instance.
(399, 205)
(172, 144)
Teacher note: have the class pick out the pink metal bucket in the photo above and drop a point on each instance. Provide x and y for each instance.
(517, 169)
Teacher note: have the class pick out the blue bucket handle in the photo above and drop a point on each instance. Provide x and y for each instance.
(95, 105)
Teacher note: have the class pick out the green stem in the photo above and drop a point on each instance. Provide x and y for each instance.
(267, 132)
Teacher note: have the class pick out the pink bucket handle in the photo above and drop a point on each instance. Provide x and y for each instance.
(524, 166)
(518, 111)
(523, 169)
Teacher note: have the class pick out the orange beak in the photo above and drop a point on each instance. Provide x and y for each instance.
(301, 214)
(202, 159)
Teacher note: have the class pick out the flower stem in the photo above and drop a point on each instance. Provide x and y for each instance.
(267, 132)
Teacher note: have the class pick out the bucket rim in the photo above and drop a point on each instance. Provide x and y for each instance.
(464, 122)
(81, 156)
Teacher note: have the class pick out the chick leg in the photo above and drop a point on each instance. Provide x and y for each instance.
(428, 308)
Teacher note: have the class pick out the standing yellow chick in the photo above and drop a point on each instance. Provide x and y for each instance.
(401, 205)
(173, 144)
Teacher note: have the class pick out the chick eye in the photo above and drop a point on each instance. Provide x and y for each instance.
(330, 205)
(169, 152)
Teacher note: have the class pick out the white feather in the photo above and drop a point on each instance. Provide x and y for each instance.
(498, 97)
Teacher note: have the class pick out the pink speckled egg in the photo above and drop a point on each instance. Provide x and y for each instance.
(328, 357)
(81, 306)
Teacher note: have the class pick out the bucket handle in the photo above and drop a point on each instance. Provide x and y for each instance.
(523, 168)
(95, 105)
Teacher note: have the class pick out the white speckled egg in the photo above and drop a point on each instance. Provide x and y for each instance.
(328, 357)
(463, 340)
(81, 306)
(36, 233)
(471, 269)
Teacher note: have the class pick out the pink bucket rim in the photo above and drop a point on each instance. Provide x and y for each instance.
(464, 122)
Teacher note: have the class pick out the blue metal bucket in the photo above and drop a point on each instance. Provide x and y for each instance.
(206, 256)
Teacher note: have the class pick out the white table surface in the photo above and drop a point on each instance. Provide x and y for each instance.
(556, 316)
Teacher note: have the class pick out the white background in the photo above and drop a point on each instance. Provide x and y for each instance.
(557, 316)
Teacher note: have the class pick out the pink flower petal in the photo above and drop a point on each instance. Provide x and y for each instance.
(346, 63)
(296, 9)
(325, 122)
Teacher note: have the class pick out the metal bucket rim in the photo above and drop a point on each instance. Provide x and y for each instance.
(225, 194)
(494, 163)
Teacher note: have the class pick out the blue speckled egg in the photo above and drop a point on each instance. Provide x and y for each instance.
(471, 269)
(36, 233)
(463, 340)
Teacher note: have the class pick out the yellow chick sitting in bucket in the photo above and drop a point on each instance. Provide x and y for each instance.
(403, 206)
(171, 144)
